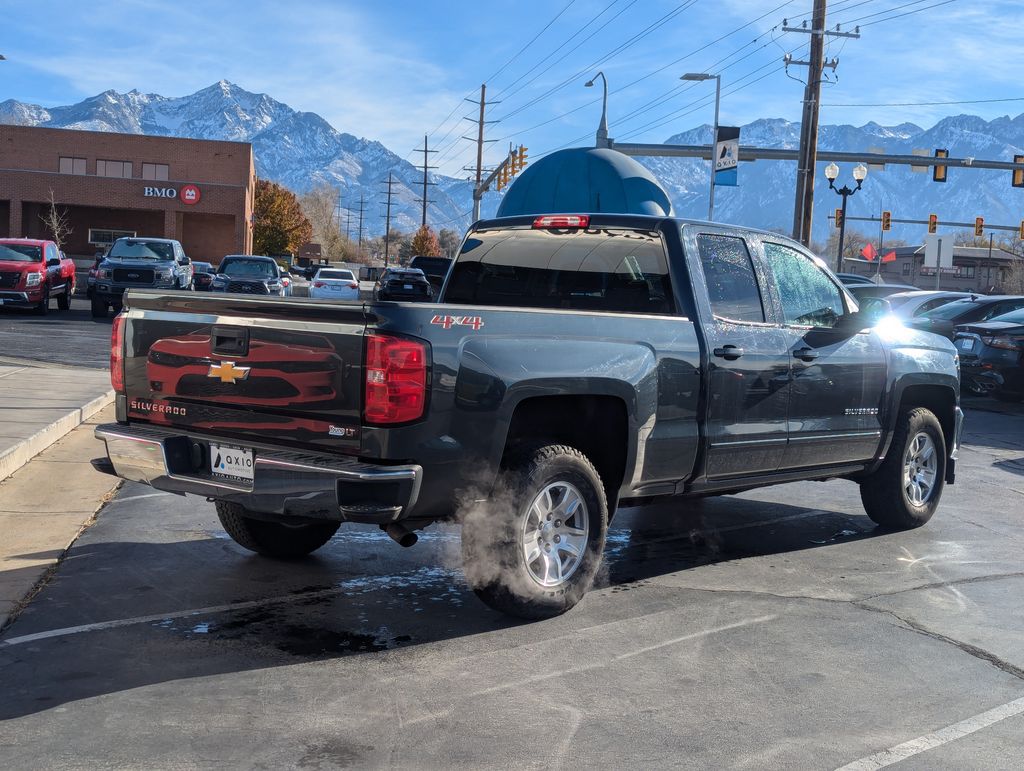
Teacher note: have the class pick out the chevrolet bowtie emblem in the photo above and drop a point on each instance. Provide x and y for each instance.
(228, 372)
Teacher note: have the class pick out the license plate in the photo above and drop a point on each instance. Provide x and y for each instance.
(231, 463)
(407, 286)
(965, 343)
(336, 288)
(1, 301)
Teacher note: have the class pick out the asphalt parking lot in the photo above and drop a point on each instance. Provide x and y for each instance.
(778, 628)
(71, 337)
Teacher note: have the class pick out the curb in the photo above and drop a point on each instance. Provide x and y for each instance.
(17, 456)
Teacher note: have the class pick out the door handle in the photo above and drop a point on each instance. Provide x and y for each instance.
(728, 352)
(805, 354)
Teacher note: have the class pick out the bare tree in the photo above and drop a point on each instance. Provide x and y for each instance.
(320, 207)
(56, 222)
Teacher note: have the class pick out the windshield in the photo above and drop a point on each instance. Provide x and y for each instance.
(344, 275)
(248, 269)
(950, 310)
(142, 250)
(405, 275)
(202, 267)
(20, 253)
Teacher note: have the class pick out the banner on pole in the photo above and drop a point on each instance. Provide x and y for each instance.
(727, 155)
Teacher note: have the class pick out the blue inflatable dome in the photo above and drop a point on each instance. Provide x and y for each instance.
(586, 180)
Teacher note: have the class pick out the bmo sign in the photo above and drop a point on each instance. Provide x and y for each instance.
(188, 194)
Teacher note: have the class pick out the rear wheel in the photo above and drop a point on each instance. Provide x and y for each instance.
(273, 539)
(99, 308)
(532, 550)
(64, 300)
(904, 491)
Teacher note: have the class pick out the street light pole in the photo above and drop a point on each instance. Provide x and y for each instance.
(701, 76)
(860, 172)
(602, 129)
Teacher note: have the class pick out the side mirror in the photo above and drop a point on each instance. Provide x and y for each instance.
(53, 262)
(874, 309)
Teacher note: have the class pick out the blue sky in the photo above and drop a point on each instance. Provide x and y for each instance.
(396, 69)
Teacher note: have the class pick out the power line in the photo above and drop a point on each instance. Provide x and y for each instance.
(507, 91)
(923, 104)
(603, 59)
(530, 43)
(908, 13)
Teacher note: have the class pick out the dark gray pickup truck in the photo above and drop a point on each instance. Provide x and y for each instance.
(574, 364)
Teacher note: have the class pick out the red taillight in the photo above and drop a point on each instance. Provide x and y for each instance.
(117, 353)
(353, 285)
(562, 221)
(319, 284)
(396, 380)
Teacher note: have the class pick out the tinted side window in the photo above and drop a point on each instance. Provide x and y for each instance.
(729, 273)
(613, 270)
(809, 297)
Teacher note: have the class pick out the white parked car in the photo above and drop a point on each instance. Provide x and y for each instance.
(334, 284)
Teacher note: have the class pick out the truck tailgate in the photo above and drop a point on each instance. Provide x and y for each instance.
(252, 368)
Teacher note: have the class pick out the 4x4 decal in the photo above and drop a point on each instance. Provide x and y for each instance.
(458, 321)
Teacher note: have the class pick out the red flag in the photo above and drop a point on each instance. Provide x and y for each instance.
(890, 257)
(868, 252)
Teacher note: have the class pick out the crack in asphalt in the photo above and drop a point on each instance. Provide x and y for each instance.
(970, 650)
(965, 647)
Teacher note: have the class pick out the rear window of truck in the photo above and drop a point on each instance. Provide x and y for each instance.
(615, 270)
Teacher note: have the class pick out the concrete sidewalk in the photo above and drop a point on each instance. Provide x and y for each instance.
(43, 507)
(41, 403)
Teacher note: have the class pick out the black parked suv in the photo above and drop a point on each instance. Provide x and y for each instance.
(249, 274)
(407, 284)
(944, 319)
(434, 268)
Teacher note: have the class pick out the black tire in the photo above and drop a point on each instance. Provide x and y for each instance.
(99, 308)
(273, 539)
(64, 299)
(493, 534)
(43, 306)
(884, 493)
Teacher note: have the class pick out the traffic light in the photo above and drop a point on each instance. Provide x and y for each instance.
(522, 156)
(1018, 174)
(839, 218)
(979, 226)
(933, 222)
(887, 220)
(513, 162)
(939, 172)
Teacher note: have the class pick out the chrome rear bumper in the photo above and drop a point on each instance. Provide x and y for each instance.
(286, 483)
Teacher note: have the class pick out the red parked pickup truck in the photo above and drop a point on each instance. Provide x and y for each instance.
(33, 271)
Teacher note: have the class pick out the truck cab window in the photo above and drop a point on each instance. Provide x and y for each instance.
(809, 297)
(729, 273)
(614, 270)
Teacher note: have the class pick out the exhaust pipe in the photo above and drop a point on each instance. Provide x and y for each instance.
(401, 534)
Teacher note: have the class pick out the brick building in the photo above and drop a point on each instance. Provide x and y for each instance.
(195, 190)
(975, 269)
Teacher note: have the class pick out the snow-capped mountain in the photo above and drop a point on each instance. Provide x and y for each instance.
(300, 149)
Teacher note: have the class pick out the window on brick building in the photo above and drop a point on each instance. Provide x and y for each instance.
(158, 171)
(72, 165)
(906, 269)
(114, 169)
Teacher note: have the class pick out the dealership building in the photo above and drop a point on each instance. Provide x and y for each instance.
(197, 191)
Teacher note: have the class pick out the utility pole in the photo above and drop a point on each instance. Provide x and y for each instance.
(803, 207)
(387, 221)
(478, 192)
(348, 224)
(425, 150)
(362, 201)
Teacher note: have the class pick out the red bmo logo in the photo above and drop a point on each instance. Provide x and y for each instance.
(190, 194)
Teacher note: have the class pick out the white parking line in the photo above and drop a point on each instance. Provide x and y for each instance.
(937, 738)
